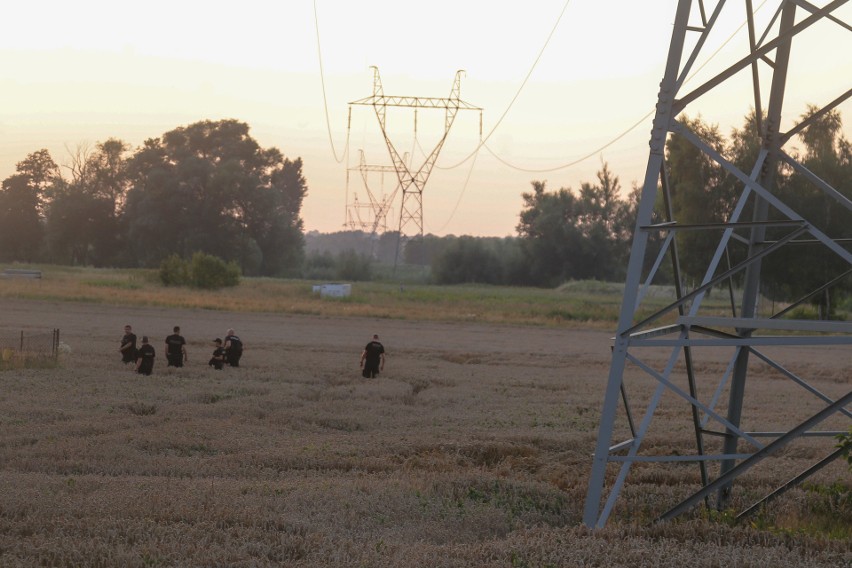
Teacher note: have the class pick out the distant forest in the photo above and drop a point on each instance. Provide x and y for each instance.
(209, 187)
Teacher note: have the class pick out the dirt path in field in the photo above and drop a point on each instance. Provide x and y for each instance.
(89, 327)
(94, 329)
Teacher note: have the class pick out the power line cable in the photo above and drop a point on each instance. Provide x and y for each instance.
(461, 194)
(618, 137)
(578, 160)
(517, 94)
(324, 98)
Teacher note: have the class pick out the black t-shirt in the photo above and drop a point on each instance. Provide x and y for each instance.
(129, 338)
(374, 350)
(175, 343)
(146, 354)
(128, 354)
(234, 344)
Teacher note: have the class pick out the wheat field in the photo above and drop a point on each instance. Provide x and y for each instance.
(473, 448)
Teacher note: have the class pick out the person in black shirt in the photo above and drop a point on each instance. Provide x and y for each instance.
(145, 363)
(128, 346)
(218, 359)
(373, 359)
(176, 349)
(233, 349)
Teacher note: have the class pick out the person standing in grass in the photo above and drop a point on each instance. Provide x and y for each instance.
(176, 349)
(218, 359)
(145, 362)
(373, 359)
(128, 346)
(233, 349)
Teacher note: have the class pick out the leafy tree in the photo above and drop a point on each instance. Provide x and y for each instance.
(41, 172)
(804, 268)
(351, 265)
(567, 236)
(84, 223)
(422, 251)
(22, 203)
(210, 187)
(467, 259)
(20, 226)
(701, 193)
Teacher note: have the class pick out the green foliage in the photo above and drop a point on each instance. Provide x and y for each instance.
(203, 271)
(702, 192)
(353, 266)
(347, 265)
(174, 271)
(211, 273)
(210, 187)
(568, 236)
(319, 266)
(467, 260)
(844, 442)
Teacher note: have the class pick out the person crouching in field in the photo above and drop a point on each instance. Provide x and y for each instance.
(128, 346)
(176, 349)
(218, 359)
(373, 359)
(145, 363)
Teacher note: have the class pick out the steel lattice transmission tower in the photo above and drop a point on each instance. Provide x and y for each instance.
(684, 356)
(377, 208)
(413, 181)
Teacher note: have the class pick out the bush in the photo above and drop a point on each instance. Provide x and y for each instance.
(845, 444)
(203, 271)
(319, 266)
(353, 266)
(174, 271)
(211, 272)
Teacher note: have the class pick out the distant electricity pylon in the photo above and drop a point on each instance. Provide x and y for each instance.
(413, 181)
(684, 351)
(375, 211)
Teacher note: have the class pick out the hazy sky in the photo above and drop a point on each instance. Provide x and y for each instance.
(77, 73)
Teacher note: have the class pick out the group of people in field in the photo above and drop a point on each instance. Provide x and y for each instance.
(227, 352)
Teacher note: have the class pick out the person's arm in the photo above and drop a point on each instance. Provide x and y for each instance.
(363, 357)
(183, 350)
(382, 361)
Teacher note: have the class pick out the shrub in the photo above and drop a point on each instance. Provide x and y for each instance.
(203, 271)
(845, 443)
(211, 272)
(353, 266)
(174, 271)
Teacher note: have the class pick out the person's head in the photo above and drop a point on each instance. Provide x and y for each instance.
(127, 328)
(230, 332)
(218, 342)
(144, 339)
(375, 337)
(177, 329)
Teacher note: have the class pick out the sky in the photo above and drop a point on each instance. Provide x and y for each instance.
(564, 87)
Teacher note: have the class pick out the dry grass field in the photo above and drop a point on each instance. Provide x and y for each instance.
(471, 449)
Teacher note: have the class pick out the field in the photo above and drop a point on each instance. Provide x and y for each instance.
(471, 449)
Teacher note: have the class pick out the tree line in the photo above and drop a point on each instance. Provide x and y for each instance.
(209, 187)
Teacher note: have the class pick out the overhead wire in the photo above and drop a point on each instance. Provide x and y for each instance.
(518, 93)
(616, 138)
(324, 97)
(461, 194)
